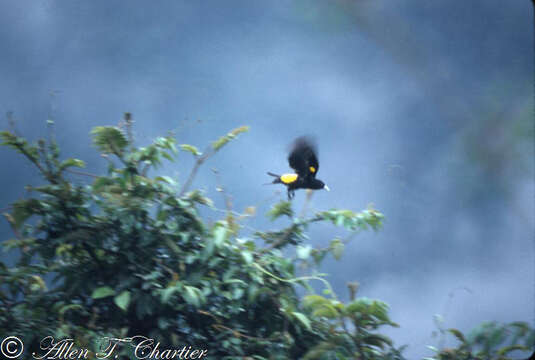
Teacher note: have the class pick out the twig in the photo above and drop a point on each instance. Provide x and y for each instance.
(286, 235)
(221, 188)
(200, 160)
(6, 208)
(77, 172)
(210, 150)
(43, 171)
(117, 153)
(223, 327)
(308, 198)
(50, 120)
(145, 170)
(13, 227)
(11, 122)
(236, 333)
(353, 286)
(297, 279)
(129, 125)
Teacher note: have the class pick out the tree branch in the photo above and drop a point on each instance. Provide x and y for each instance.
(200, 160)
(77, 172)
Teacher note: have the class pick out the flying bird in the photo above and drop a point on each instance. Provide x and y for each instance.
(303, 159)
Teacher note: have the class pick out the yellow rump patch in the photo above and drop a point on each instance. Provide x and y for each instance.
(312, 169)
(288, 178)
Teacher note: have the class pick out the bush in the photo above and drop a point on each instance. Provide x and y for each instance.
(490, 340)
(130, 255)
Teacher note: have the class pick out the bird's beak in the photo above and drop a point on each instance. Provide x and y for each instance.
(326, 188)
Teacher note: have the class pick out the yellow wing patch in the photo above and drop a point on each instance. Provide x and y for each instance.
(288, 178)
(312, 169)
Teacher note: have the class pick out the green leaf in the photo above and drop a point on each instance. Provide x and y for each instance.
(247, 256)
(102, 292)
(379, 309)
(70, 163)
(123, 300)
(190, 148)
(109, 139)
(168, 292)
(507, 349)
(438, 320)
(222, 141)
(313, 301)
(166, 179)
(20, 145)
(209, 247)
(69, 307)
(197, 196)
(353, 221)
(237, 293)
(337, 248)
(319, 255)
(22, 210)
(377, 340)
(459, 335)
(281, 208)
(220, 233)
(172, 246)
(320, 351)
(167, 156)
(37, 283)
(192, 295)
(101, 183)
(320, 306)
(303, 319)
(303, 252)
(163, 323)
(167, 142)
(328, 311)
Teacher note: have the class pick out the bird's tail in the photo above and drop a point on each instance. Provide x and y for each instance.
(277, 179)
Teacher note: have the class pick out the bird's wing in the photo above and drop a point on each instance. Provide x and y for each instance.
(303, 157)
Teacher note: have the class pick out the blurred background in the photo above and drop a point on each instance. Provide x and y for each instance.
(422, 108)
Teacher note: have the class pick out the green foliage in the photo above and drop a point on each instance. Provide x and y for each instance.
(490, 340)
(190, 148)
(349, 329)
(126, 255)
(280, 209)
(122, 300)
(109, 139)
(354, 221)
(337, 247)
(102, 292)
(223, 140)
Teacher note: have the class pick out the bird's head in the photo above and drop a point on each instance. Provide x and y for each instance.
(318, 184)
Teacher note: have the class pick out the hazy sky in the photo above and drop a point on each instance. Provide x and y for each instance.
(423, 108)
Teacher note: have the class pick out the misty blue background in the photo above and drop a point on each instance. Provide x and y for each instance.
(423, 108)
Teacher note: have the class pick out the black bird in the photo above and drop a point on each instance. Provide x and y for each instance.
(304, 160)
